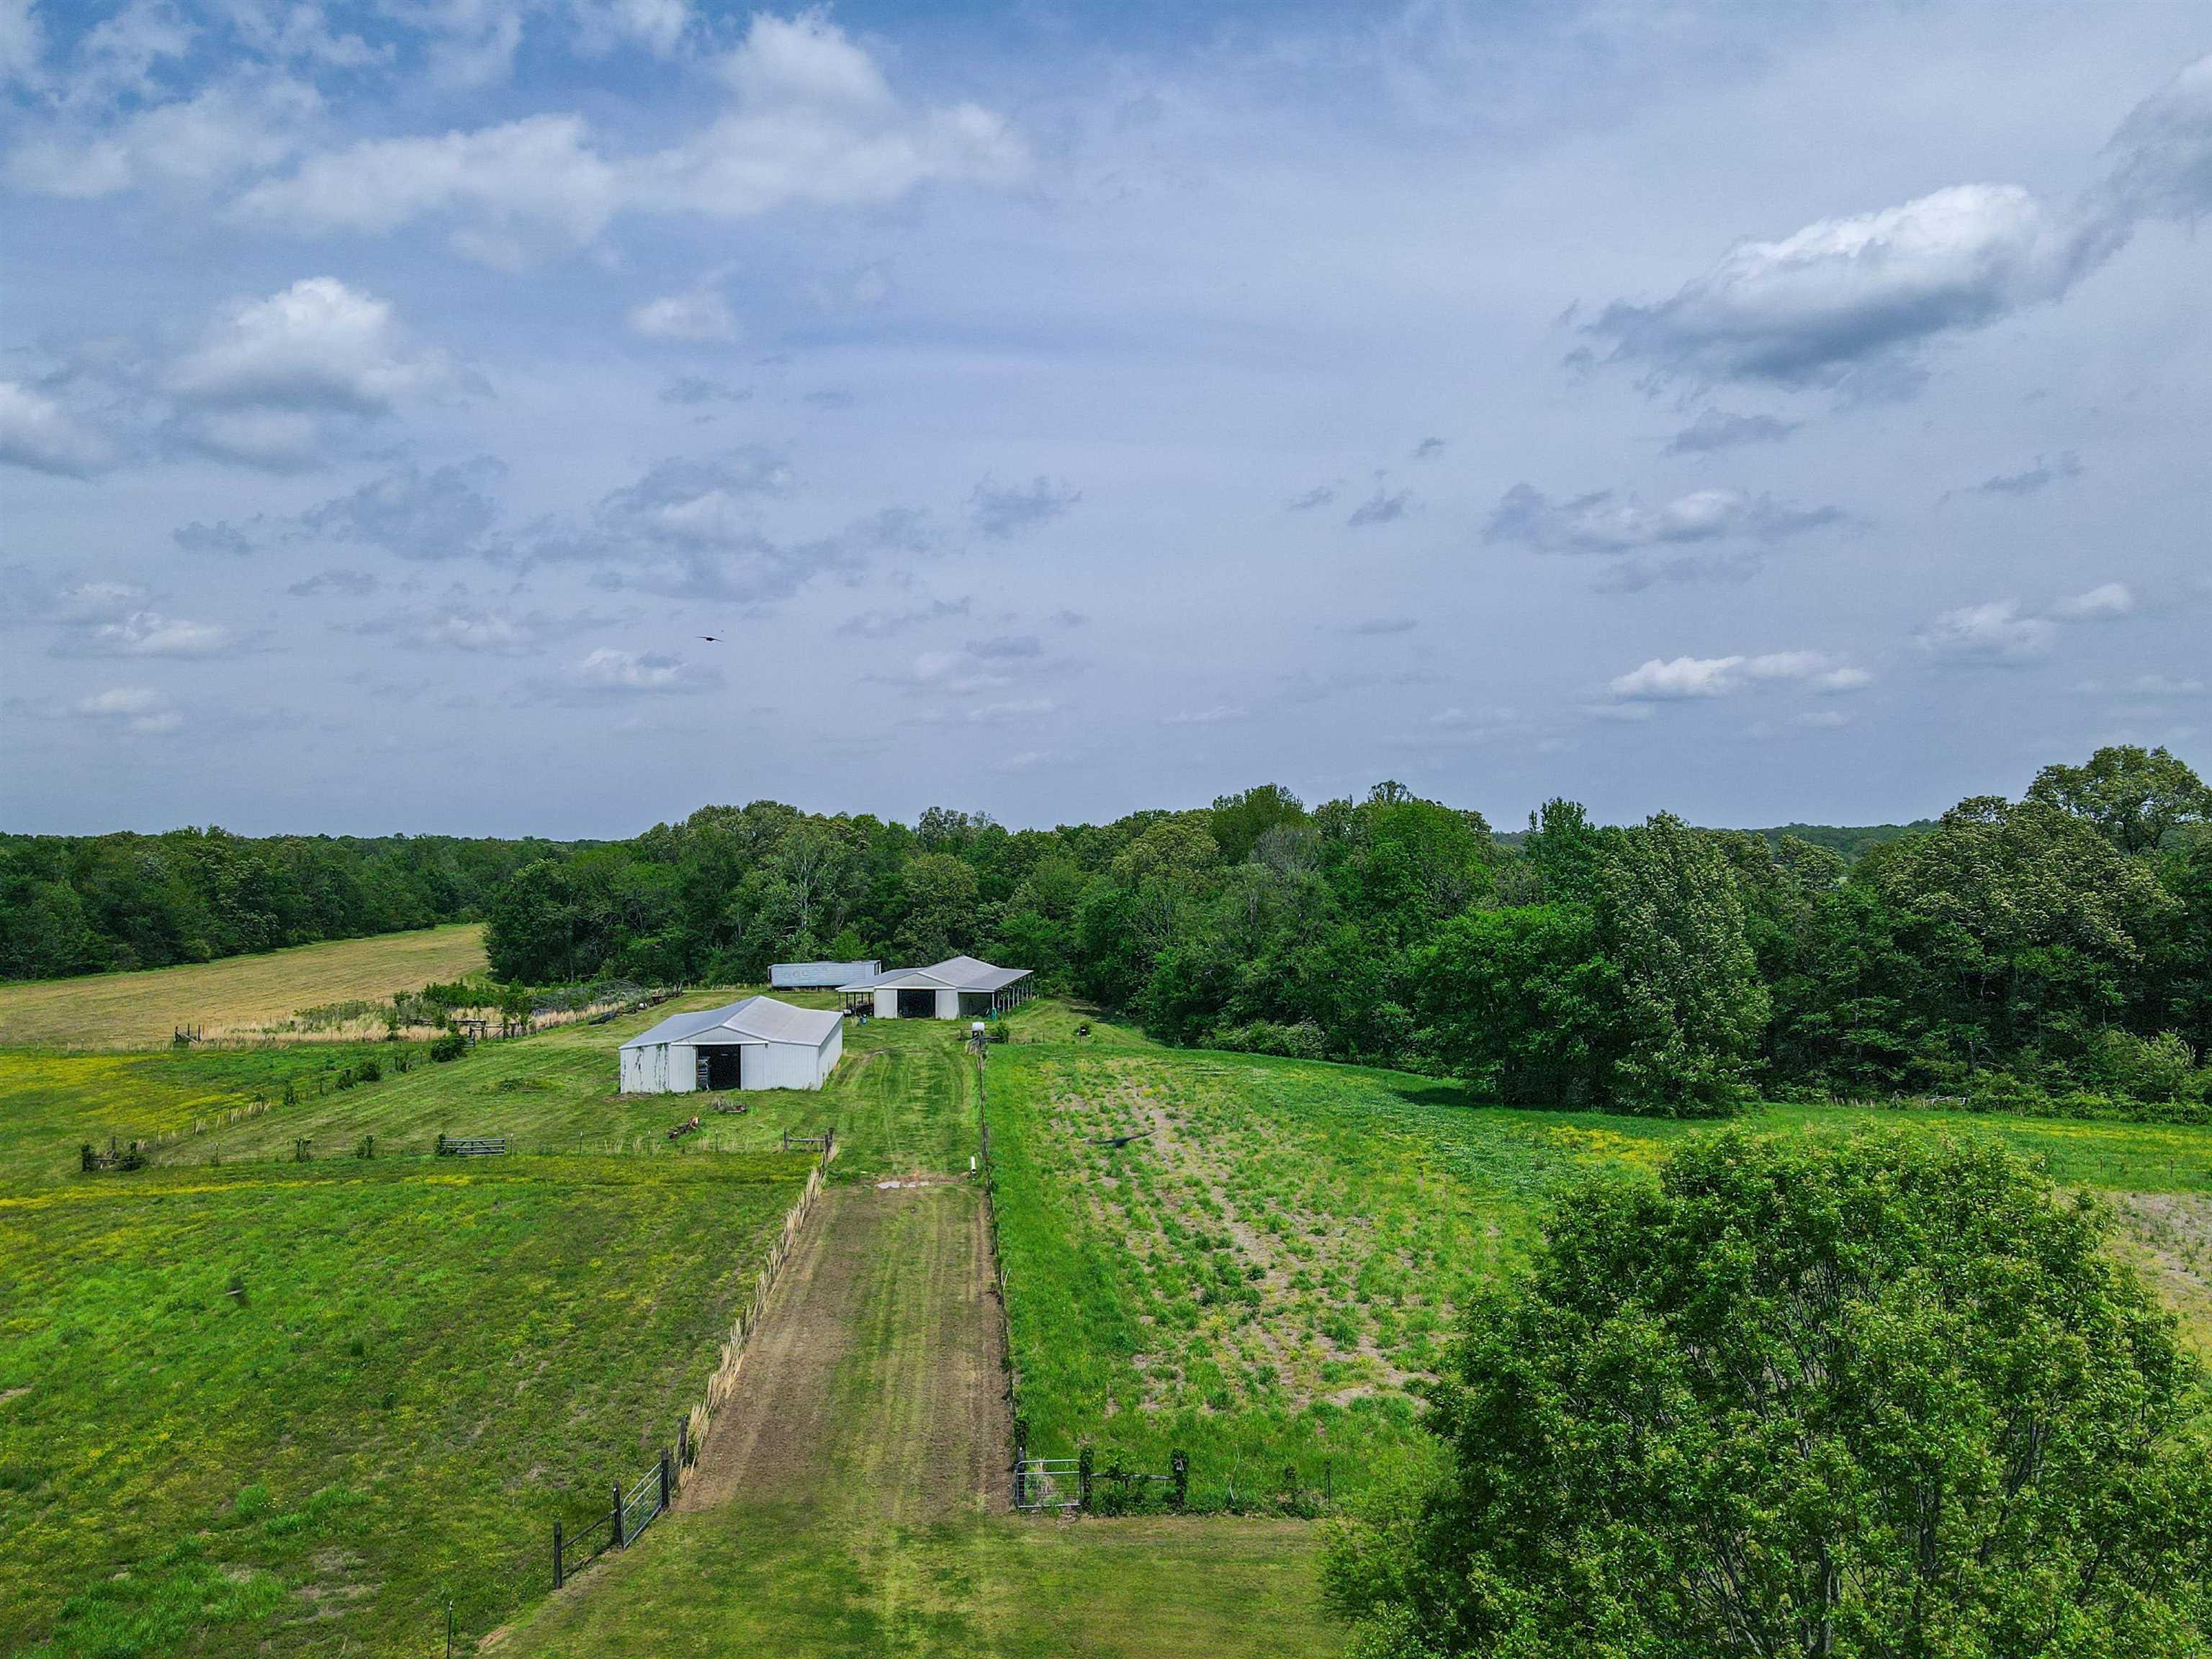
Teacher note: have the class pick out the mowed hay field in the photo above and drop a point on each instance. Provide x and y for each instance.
(235, 996)
(293, 1409)
(1265, 1274)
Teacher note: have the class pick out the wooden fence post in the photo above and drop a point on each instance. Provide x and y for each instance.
(620, 1542)
(556, 1555)
(663, 1477)
(1083, 1479)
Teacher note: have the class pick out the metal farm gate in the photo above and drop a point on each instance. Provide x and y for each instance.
(1047, 1483)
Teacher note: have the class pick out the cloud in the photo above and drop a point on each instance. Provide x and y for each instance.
(454, 624)
(27, 597)
(1221, 714)
(1717, 430)
(1679, 678)
(2162, 153)
(1319, 495)
(607, 671)
(37, 433)
(2113, 599)
(1428, 449)
(317, 345)
(133, 707)
(354, 584)
(696, 389)
(22, 42)
(1990, 633)
(692, 528)
(700, 313)
(658, 25)
(1380, 508)
(1861, 296)
(148, 634)
(1005, 648)
(999, 512)
(1805, 310)
(812, 121)
(2029, 480)
(440, 514)
(1374, 626)
(221, 134)
(883, 625)
(1608, 523)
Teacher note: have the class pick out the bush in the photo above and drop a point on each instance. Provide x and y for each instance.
(1302, 1040)
(450, 1045)
(368, 1070)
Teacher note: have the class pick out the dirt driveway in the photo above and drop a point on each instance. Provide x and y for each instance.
(873, 1388)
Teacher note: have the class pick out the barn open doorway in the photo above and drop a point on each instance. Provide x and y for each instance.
(722, 1066)
(917, 1004)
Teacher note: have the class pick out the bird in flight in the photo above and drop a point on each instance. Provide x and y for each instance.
(710, 638)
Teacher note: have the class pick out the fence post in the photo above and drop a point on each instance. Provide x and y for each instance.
(557, 1580)
(1180, 1462)
(1083, 1479)
(620, 1542)
(663, 1477)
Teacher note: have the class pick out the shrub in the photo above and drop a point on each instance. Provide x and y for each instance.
(368, 1070)
(1302, 1040)
(449, 1045)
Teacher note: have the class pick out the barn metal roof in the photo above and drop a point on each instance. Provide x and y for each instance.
(756, 1019)
(954, 974)
(819, 975)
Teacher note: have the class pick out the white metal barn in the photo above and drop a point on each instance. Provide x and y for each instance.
(759, 1044)
(960, 988)
(817, 975)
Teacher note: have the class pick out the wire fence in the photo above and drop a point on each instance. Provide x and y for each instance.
(630, 1510)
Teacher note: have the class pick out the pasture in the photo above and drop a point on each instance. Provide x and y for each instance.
(1279, 1251)
(297, 1409)
(235, 996)
(252, 1403)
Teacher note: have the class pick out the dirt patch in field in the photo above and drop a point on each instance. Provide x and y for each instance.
(874, 1387)
(1269, 1271)
(2170, 1235)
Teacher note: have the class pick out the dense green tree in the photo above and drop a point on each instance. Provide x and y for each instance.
(1670, 919)
(2136, 797)
(1883, 1398)
(1524, 1005)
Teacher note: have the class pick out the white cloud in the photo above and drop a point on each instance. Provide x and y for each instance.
(1674, 679)
(1839, 291)
(1608, 523)
(813, 122)
(22, 42)
(1862, 294)
(218, 135)
(2111, 599)
(150, 634)
(513, 186)
(133, 707)
(37, 433)
(317, 345)
(1678, 677)
(658, 26)
(699, 313)
(607, 670)
(1994, 633)
(1220, 714)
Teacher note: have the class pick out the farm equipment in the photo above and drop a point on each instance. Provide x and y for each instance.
(688, 1127)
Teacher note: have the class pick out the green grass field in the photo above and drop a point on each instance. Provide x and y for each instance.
(901, 1100)
(289, 1409)
(250, 1404)
(1280, 1255)
(237, 994)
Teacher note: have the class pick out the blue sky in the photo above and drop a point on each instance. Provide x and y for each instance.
(1761, 413)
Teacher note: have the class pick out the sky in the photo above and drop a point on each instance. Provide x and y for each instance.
(501, 417)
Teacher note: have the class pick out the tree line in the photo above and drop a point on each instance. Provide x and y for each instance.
(86, 904)
(2058, 946)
